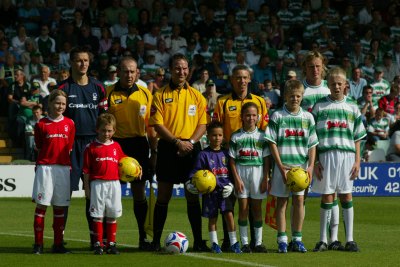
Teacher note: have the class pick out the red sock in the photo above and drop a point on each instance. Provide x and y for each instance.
(111, 231)
(38, 225)
(98, 231)
(58, 226)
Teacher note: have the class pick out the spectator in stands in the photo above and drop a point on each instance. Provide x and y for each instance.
(388, 102)
(148, 69)
(205, 50)
(393, 154)
(220, 11)
(187, 25)
(150, 39)
(19, 95)
(229, 23)
(276, 35)
(175, 43)
(253, 55)
(129, 40)
(62, 75)
(7, 71)
(218, 71)
(228, 54)
(262, 70)
(241, 42)
(191, 50)
(380, 86)
(267, 91)
(377, 24)
(92, 13)
(78, 20)
(30, 147)
(67, 11)
(365, 105)
(8, 14)
(357, 83)
(251, 26)
(66, 35)
(285, 15)
(157, 9)
(365, 14)
(30, 17)
(86, 39)
(32, 69)
(378, 127)
(46, 44)
(239, 60)
(216, 42)
(165, 27)
(390, 70)
(55, 65)
(200, 84)
(30, 46)
(112, 12)
(159, 81)
(105, 40)
(356, 55)
(175, 13)
(139, 52)
(112, 76)
(327, 45)
(162, 57)
(121, 27)
(144, 24)
(207, 26)
(241, 12)
(115, 52)
(368, 67)
(211, 95)
(44, 80)
(331, 16)
(375, 50)
(18, 42)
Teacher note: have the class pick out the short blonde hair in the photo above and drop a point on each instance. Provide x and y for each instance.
(337, 72)
(106, 119)
(292, 85)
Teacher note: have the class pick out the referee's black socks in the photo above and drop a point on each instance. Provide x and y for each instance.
(140, 211)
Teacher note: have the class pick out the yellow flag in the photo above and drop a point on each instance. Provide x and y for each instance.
(148, 224)
(270, 214)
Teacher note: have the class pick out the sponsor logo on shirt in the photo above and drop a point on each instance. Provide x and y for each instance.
(192, 110)
(72, 96)
(336, 124)
(232, 108)
(57, 136)
(293, 132)
(107, 159)
(83, 106)
(94, 96)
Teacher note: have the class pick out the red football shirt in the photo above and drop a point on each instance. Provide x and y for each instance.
(101, 160)
(54, 139)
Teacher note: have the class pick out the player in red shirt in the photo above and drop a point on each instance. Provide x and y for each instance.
(101, 182)
(54, 137)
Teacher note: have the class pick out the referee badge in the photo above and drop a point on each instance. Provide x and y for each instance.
(192, 110)
(168, 100)
(142, 110)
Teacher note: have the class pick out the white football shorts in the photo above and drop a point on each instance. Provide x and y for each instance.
(337, 166)
(278, 188)
(251, 177)
(105, 199)
(52, 185)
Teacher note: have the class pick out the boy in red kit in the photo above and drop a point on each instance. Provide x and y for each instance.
(54, 137)
(101, 182)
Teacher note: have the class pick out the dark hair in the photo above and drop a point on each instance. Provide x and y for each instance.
(177, 57)
(214, 125)
(36, 107)
(247, 106)
(77, 50)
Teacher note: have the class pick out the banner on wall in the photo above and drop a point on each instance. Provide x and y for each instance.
(375, 179)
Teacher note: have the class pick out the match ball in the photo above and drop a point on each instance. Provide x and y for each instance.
(129, 169)
(297, 179)
(176, 242)
(204, 181)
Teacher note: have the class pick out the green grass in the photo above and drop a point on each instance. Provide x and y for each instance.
(376, 232)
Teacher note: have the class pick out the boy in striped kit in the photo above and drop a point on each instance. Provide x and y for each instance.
(339, 129)
(293, 140)
(248, 152)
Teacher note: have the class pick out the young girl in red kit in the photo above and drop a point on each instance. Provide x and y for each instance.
(54, 137)
(101, 182)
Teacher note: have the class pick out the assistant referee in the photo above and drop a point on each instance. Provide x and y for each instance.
(178, 114)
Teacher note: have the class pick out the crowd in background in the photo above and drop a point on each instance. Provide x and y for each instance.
(270, 37)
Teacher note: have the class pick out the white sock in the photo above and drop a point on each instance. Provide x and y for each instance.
(325, 217)
(213, 237)
(348, 217)
(282, 238)
(232, 237)
(334, 224)
(258, 235)
(243, 235)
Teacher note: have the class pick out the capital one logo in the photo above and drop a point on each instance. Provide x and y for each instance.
(7, 184)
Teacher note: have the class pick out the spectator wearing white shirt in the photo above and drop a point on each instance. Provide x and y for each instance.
(44, 81)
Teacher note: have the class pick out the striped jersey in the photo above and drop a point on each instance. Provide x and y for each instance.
(248, 148)
(381, 125)
(293, 134)
(313, 93)
(379, 89)
(338, 124)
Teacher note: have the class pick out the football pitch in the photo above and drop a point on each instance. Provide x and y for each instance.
(376, 231)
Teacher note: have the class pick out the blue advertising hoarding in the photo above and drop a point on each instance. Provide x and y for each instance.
(375, 179)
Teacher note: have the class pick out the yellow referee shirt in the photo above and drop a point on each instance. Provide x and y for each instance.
(180, 110)
(131, 108)
(228, 108)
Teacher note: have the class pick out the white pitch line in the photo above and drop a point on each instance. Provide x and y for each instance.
(193, 255)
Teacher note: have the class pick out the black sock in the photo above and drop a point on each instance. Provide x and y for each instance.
(225, 228)
(251, 224)
(160, 216)
(194, 215)
(140, 210)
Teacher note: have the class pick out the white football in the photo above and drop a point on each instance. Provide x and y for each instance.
(176, 242)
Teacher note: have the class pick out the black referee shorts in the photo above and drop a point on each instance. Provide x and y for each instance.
(171, 167)
(137, 148)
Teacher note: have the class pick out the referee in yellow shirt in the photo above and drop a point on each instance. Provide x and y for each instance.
(130, 104)
(227, 111)
(178, 114)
